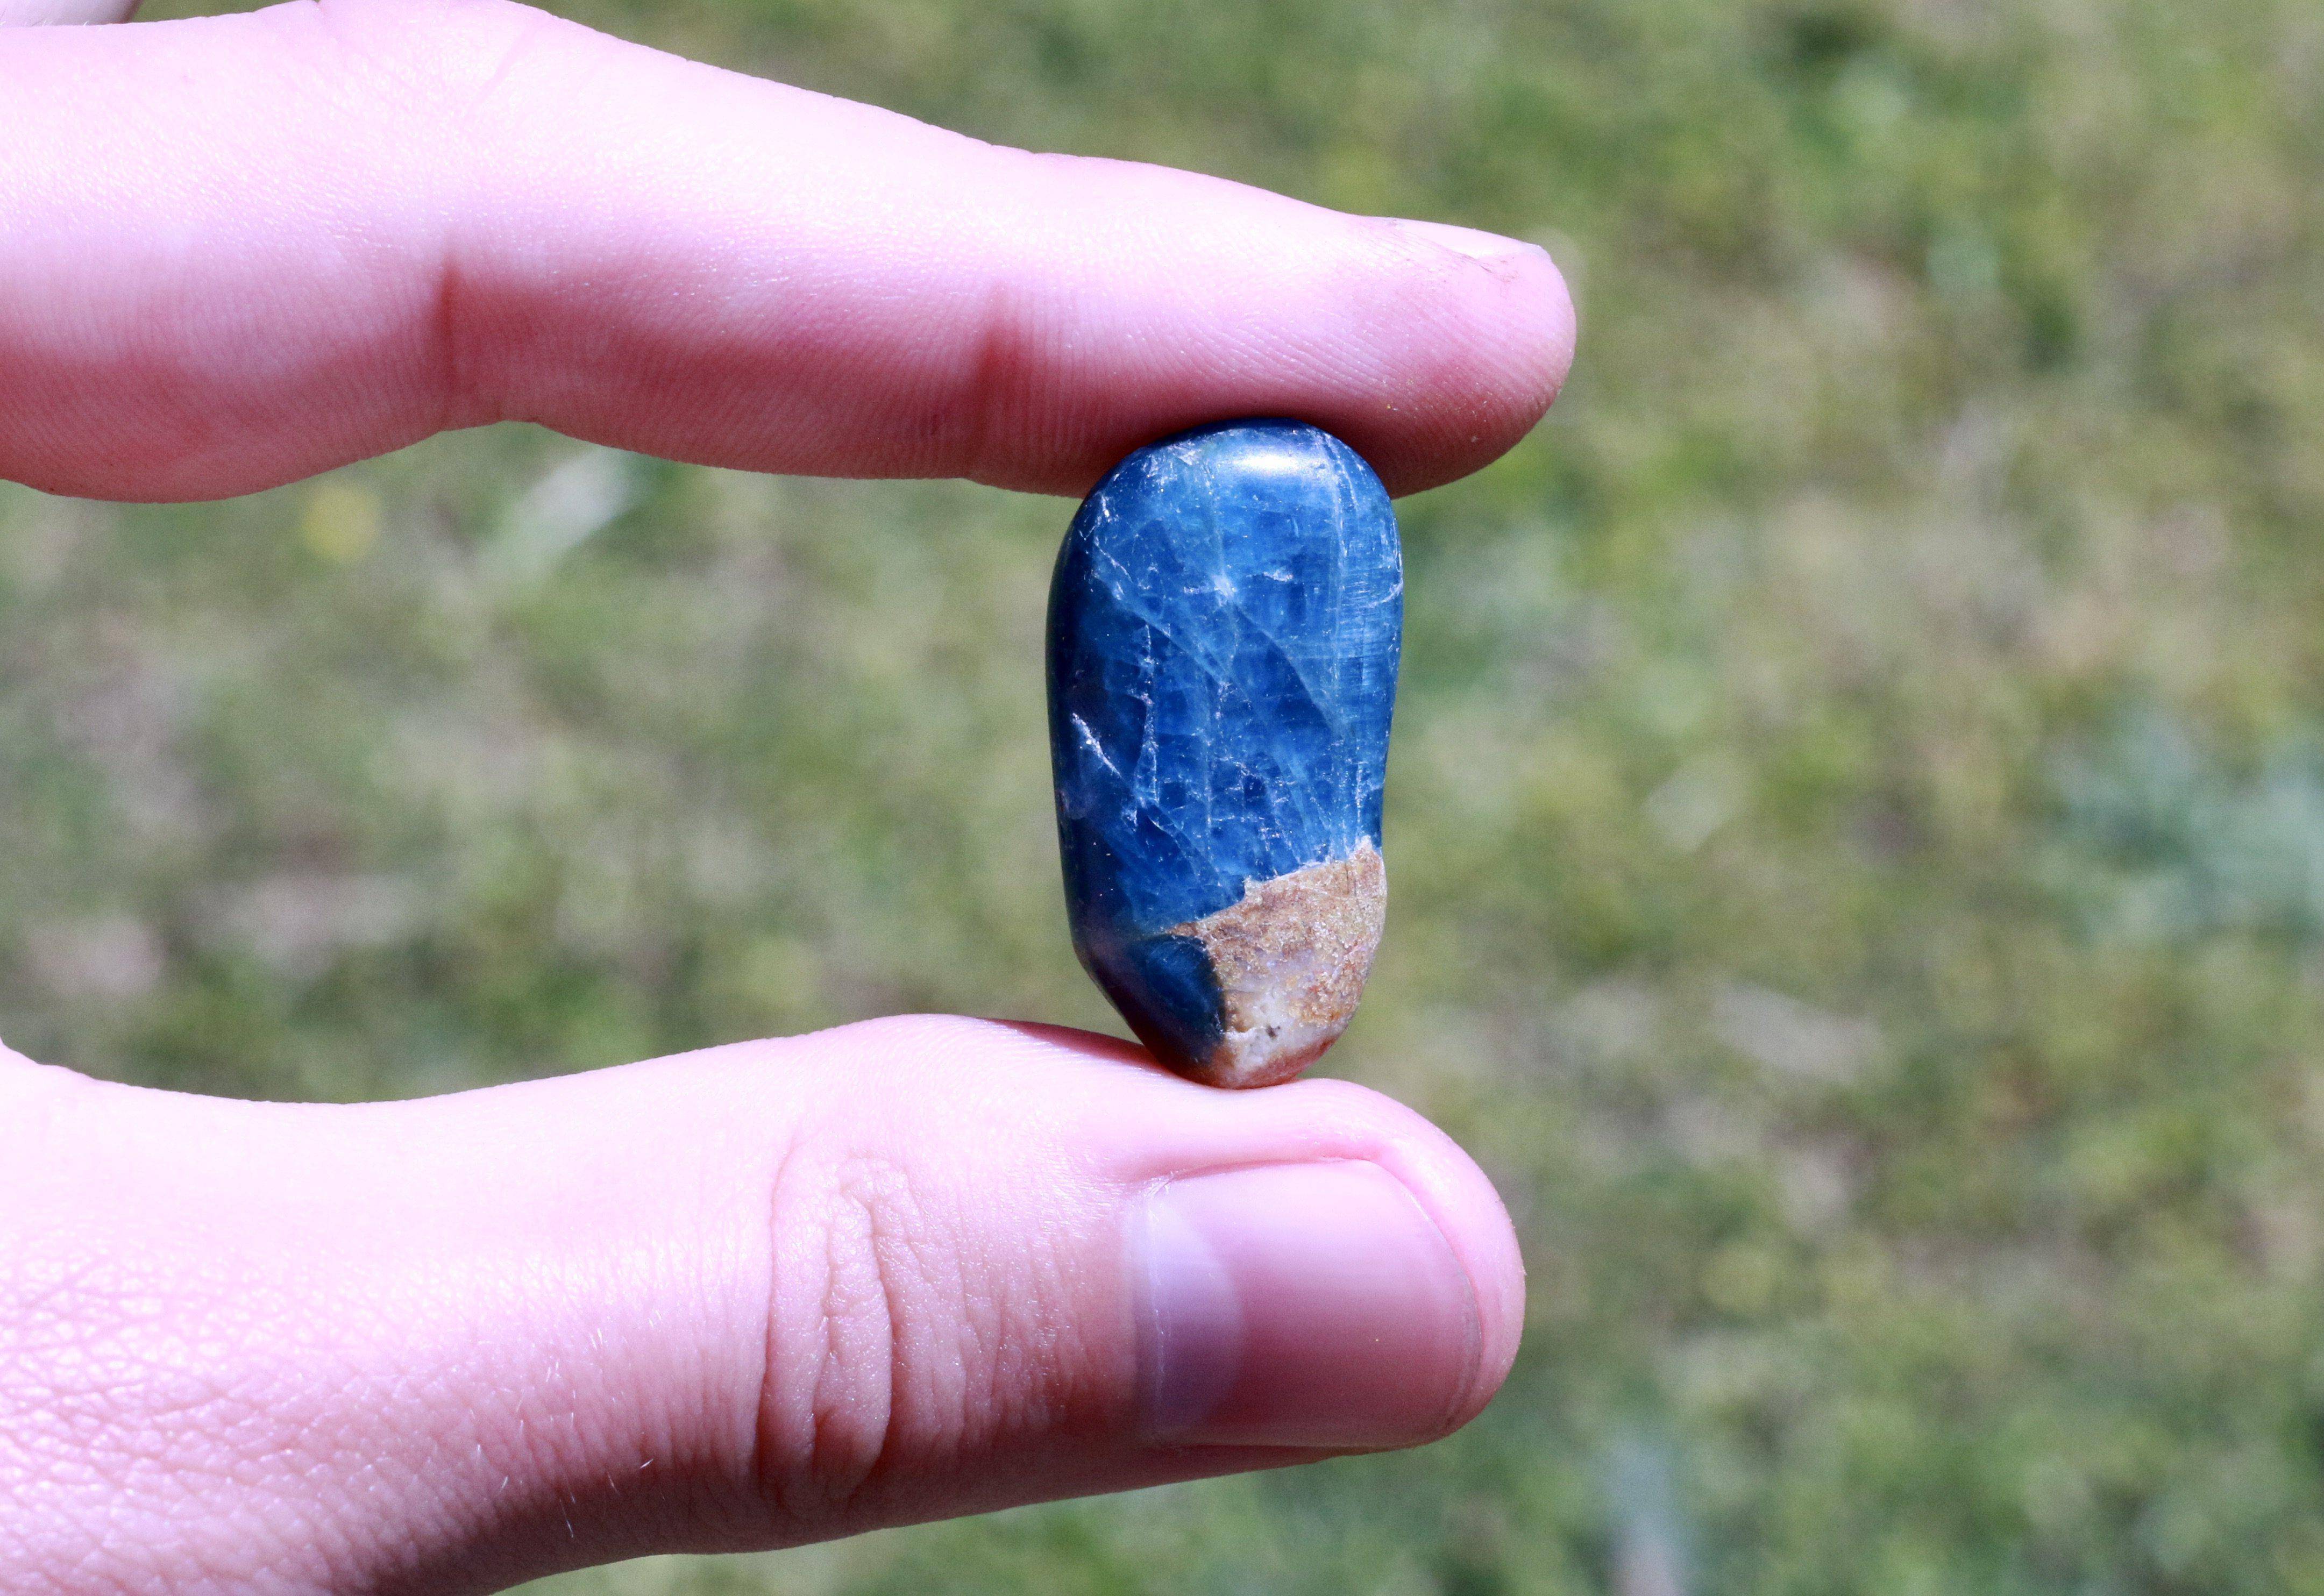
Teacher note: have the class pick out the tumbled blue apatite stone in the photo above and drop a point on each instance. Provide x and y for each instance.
(1224, 626)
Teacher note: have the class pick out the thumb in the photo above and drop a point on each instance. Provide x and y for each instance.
(748, 1297)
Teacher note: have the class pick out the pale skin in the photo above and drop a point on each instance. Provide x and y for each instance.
(775, 1292)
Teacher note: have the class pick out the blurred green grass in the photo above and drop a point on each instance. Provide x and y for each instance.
(1858, 809)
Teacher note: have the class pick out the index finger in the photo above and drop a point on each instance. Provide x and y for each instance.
(240, 250)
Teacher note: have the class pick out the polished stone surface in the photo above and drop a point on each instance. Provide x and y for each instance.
(1224, 628)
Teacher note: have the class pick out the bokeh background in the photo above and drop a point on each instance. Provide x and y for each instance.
(1857, 808)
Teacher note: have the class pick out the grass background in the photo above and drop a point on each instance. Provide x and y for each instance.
(1857, 806)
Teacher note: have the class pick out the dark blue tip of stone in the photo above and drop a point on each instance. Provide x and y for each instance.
(1224, 628)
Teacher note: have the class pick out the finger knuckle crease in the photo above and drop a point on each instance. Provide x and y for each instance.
(851, 1280)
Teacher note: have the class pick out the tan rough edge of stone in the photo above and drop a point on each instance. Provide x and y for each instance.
(1291, 960)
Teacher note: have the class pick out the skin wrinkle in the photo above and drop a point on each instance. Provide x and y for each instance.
(896, 1339)
(961, 1370)
(464, 323)
(815, 1471)
(464, 402)
(1006, 350)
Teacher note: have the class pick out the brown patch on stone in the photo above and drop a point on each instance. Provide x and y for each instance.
(1291, 960)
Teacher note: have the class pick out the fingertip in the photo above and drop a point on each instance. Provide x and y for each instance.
(1477, 1226)
(1495, 361)
(1313, 1305)
(1461, 1199)
(1431, 349)
(1146, 1124)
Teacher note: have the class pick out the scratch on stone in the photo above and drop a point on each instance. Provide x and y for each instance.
(1089, 741)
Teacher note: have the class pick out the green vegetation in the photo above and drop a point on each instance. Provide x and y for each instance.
(1857, 813)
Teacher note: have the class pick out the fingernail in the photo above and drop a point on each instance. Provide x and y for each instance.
(1469, 241)
(1300, 1305)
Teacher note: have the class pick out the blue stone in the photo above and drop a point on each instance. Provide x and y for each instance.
(1225, 627)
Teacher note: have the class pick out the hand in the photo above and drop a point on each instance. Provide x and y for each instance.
(768, 1292)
